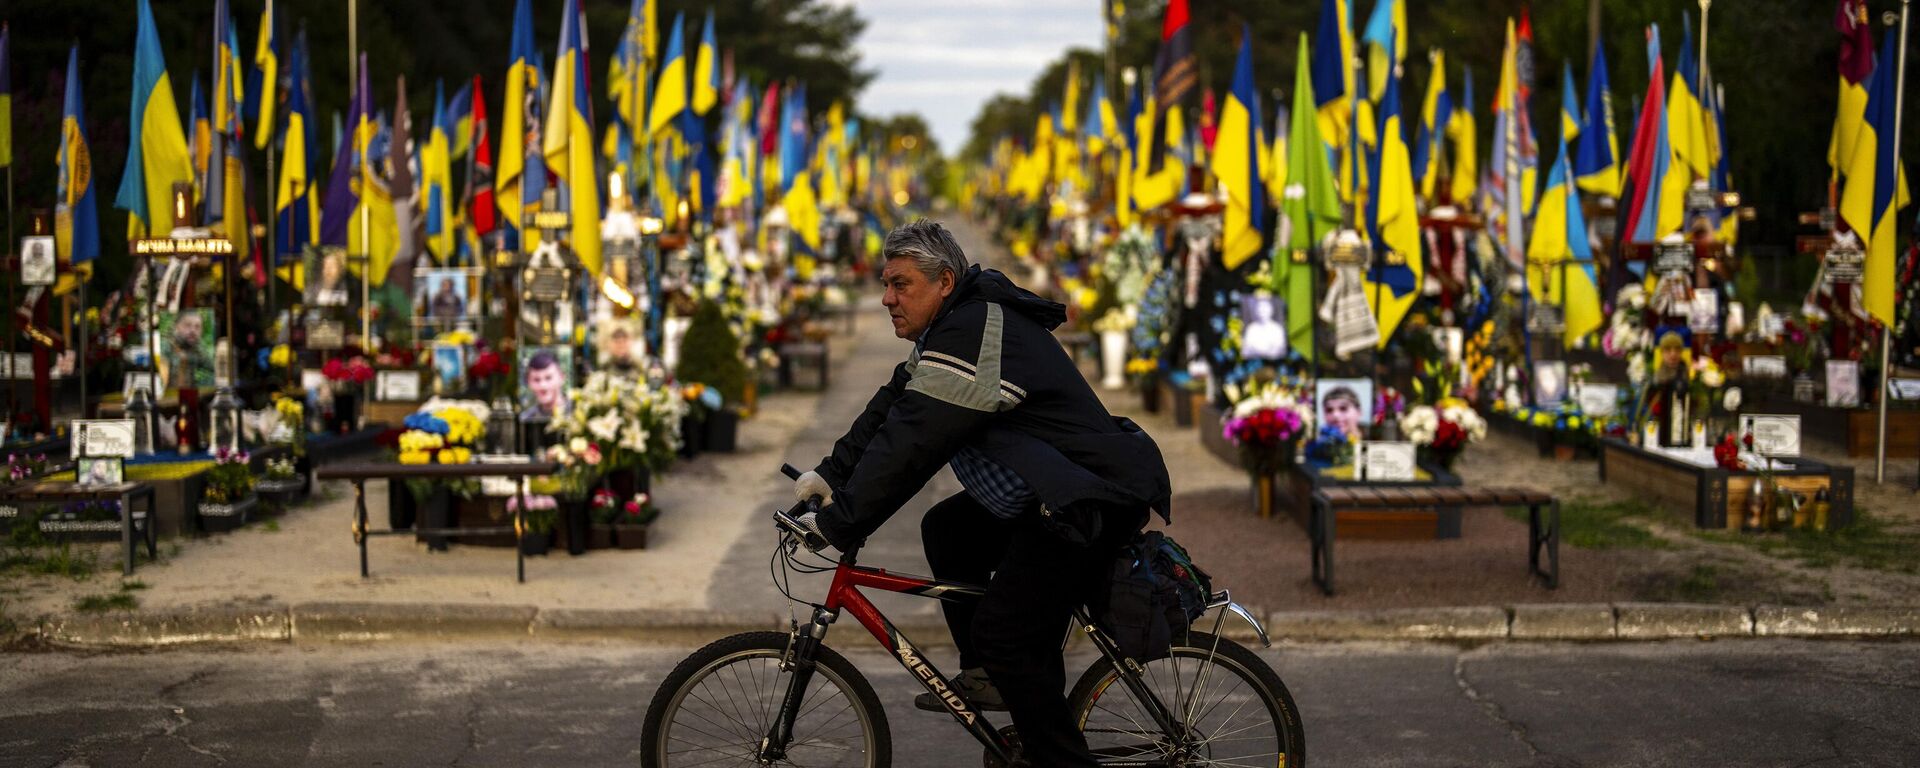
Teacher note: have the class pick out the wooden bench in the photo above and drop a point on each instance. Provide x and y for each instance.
(1543, 530)
(135, 526)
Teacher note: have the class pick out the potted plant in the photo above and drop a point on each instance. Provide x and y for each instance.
(633, 516)
(710, 356)
(603, 509)
(280, 481)
(537, 520)
(347, 378)
(227, 492)
(290, 429)
(443, 435)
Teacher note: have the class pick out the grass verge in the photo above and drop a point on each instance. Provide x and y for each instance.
(1589, 524)
(1869, 543)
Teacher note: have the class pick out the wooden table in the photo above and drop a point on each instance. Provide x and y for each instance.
(361, 471)
(54, 492)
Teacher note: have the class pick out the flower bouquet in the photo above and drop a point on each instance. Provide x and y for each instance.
(1442, 431)
(443, 435)
(628, 517)
(346, 379)
(490, 371)
(1266, 422)
(632, 424)
(280, 481)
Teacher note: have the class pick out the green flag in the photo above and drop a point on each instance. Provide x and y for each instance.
(1308, 204)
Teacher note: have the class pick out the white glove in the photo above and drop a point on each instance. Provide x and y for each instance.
(815, 540)
(812, 484)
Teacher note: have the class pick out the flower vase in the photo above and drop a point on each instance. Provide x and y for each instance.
(1113, 359)
(693, 435)
(1445, 457)
(573, 512)
(346, 414)
(1265, 493)
(436, 512)
(624, 483)
(723, 430)
(535, 543)
(1150, 396)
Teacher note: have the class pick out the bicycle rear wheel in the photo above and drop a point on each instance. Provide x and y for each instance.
(717, 705)
(1234, 708)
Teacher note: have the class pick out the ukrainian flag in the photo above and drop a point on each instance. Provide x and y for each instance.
(265, 78)
(76, 218)
(670, 92)
(514, 186)
(706, 70)
(1877, 187)
(436, 170)
(1597, 161)
(296, 203)
(1238, 161)
(569, 139)
(1386, 38)
(1560, 235)
(1393, 221)
(1686, 120)
(157, 155)
(1333, 71)
(1435, 114)
(1464, 130)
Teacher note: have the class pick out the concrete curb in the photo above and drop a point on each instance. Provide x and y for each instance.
(383, 622)
(148, 629)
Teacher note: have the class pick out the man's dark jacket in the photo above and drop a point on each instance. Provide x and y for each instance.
(989, 374)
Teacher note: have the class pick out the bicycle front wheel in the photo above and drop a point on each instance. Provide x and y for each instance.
(717, 705)
(1232, 707)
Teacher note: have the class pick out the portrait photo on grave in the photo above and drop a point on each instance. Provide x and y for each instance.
(328, 284)
(1262, 336)
(545, 374)
(440, 295)
(186, 348)
(1346, 404)
(449, 367)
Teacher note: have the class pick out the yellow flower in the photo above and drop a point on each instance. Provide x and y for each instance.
(281, 356)
(1573, 421)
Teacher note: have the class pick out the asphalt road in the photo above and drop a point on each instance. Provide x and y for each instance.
(1691, 703)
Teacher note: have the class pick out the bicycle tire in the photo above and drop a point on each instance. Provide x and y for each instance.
(832, 668)
(1237, 660)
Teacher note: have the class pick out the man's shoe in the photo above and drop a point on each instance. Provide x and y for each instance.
(973, 687)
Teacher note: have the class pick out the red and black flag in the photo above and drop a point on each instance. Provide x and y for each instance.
(1174, 75)
(480, 181)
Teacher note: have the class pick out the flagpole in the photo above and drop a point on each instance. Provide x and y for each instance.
(1705, 5)
(1886, 331)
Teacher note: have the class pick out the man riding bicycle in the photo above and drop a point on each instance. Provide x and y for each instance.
(1055, 485)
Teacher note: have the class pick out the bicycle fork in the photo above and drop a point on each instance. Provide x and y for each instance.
(802, 645)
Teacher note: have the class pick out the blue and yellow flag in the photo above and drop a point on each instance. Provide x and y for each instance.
(157, 155)
(296, 201)
(199, 135)
(1435, 114)
(226, 193)
(1393, 221)
(1596, 163)
(1464, 132)
(436, 177)
(670, 91)
(1686, 120)
(1386, 39)
(1570, 119)
(76, 218)
(706, 70)
(1876, 187)
(1238, 161)
(460, 122)
(568, 139)
(1561, 262)
(1333, 71)
(264, 80)
(6, 96)
(628, 84)
(517, 187)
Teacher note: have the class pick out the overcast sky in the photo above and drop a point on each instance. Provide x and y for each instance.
(944, 58)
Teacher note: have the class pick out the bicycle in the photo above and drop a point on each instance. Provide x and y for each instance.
(752, 698)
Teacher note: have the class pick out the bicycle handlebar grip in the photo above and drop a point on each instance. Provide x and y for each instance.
(789, 471)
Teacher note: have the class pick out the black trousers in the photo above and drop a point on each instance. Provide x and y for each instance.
(1034, 581)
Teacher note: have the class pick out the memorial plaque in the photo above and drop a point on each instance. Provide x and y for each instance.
(547, 283)
(109, 438)
(326, 335)
(1385, 461)
(1775, 436)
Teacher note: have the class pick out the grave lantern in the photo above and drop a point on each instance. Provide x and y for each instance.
(503, 428)
(225, 411)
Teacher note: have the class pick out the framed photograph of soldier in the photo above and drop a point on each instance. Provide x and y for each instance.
(449, 368)
(186, 348)
(545, 374)
(1345, 403)
(328, 284)
(1843, 383)
(442, 296)
(37, 264)
(1549, 382)
(397, 385)
(98, 471)
(1262, 334)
